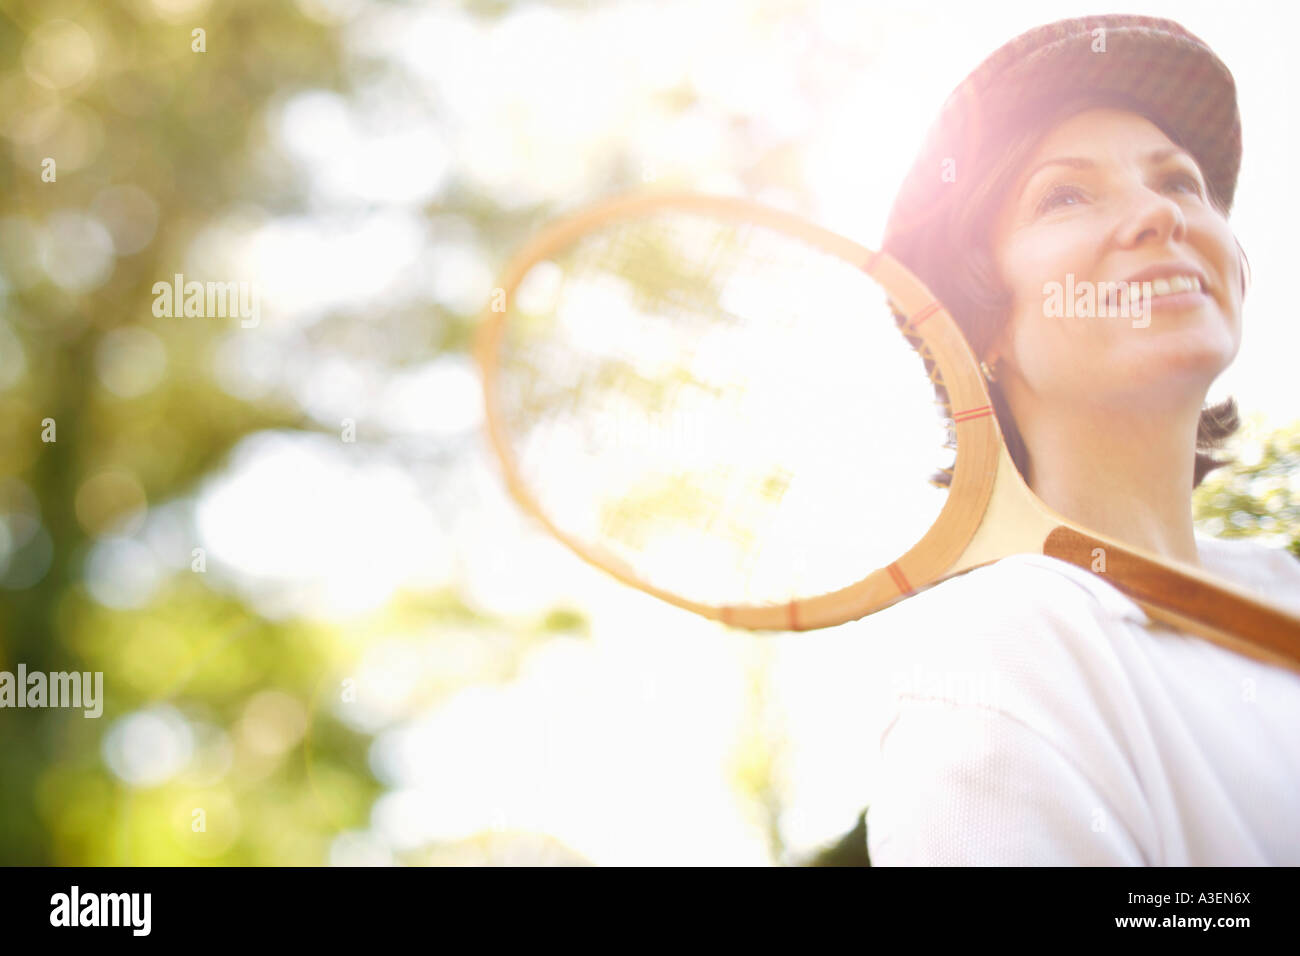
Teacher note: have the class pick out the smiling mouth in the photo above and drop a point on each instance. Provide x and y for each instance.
(1153, 293)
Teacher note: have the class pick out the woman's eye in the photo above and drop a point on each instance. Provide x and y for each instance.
(1056, 197)
(1187, 179)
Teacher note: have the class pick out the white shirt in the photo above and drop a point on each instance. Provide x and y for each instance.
(1038, 717)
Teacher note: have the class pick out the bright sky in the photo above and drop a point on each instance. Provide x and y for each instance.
(620, 746)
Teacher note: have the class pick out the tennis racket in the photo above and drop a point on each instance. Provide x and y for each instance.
(735, 411)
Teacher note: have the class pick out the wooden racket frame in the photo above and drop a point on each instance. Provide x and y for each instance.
(989, 512)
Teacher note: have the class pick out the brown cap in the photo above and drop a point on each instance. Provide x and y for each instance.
(1156, 64)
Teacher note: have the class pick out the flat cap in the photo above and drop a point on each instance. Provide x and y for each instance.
(1156, 64)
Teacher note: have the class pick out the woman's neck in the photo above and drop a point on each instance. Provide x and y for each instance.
(1127, 476)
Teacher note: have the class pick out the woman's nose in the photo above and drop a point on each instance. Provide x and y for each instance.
(1151, 215)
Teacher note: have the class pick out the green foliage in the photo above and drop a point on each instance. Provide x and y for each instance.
(1257, 495)
(190, 131)
(175, 124)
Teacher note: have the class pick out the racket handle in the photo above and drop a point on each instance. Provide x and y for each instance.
(1186, 600)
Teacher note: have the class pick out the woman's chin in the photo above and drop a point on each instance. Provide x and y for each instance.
(1195, 356)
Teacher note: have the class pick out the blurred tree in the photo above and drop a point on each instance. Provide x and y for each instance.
(759, 761)
(118, 97)
(1258, 494)
(153, 143)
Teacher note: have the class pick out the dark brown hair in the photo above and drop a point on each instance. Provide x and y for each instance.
(953, 256)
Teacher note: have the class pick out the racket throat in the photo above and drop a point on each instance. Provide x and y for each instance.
(1015, 521)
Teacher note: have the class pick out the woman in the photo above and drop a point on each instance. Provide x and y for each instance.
(1039, 716)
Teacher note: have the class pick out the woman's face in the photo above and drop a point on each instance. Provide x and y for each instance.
(1104, 197)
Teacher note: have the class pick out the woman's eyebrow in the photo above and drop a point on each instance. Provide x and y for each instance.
(1079, 162)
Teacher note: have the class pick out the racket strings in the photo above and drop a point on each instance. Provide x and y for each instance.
(701, 401)
(569, 388)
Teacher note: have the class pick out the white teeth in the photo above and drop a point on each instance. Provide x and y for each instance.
(1175, 284)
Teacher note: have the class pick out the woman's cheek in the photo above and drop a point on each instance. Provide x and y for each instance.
(1034, 347)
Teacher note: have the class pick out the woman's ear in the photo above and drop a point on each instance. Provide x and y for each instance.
(999, 348)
